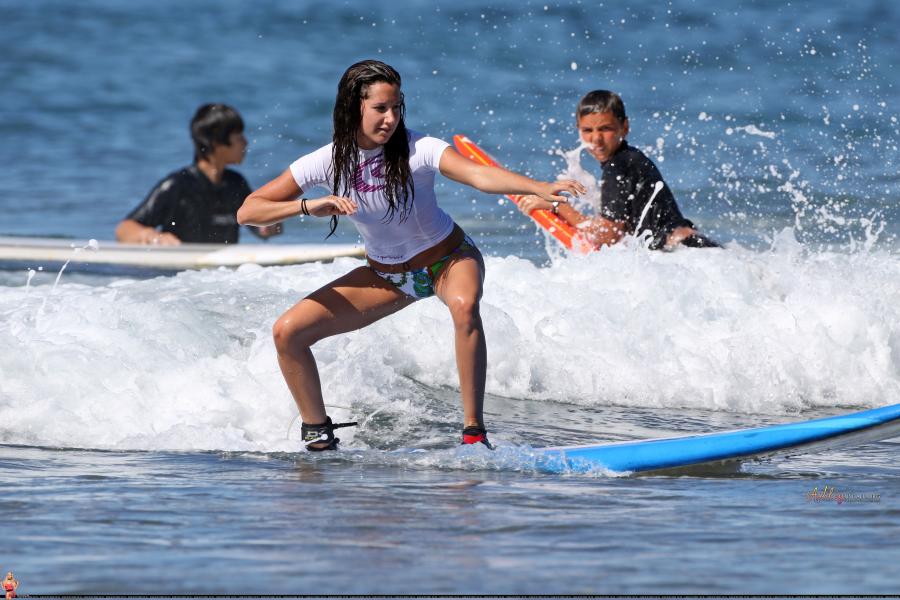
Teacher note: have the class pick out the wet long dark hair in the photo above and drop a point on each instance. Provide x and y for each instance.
(352, 90)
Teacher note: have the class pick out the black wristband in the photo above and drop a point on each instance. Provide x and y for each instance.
(303, 209)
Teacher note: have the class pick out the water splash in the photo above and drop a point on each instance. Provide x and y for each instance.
(29, 277)
(91, 245)
(187, 362)
(657, 188)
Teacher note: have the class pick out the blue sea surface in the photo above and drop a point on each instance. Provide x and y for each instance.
(148, 444)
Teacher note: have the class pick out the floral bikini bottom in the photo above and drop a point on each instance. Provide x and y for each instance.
(419, 283)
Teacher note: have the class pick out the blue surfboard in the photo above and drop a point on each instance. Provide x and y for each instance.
(724, 447)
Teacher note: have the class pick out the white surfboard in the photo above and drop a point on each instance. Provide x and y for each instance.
(38, 251)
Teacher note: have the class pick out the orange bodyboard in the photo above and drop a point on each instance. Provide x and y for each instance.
(560, 229)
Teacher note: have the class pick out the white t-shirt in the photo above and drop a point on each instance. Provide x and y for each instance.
(388, 242)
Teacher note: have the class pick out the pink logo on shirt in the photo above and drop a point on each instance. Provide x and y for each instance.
(377, 164)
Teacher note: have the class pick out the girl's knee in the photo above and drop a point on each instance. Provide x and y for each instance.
(465, 312)
(290, 332)
(283, 332)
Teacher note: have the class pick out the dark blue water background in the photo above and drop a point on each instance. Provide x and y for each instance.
(97, 96)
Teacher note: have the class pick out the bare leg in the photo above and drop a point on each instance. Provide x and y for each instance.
(460, 286)
(351, 302)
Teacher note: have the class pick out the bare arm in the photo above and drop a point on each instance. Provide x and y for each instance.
(603, 232)
(130, 231)
(565, 211)
(678, 235)
(598, 230)
(279, 200)
(266, 231)
(494, 180)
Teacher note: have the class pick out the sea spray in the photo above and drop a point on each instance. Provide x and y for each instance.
(188, 362)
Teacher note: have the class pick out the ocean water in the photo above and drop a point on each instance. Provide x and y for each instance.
(148, 443)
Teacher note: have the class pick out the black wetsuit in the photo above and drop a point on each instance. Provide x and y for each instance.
(186, 203)
(626, 186)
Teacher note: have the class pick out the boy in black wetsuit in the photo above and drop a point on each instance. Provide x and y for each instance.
(633, 196)
(198, 204)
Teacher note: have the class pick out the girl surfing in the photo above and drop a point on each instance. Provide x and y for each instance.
(381, 176)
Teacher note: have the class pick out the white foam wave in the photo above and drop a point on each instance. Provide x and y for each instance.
(187, 362)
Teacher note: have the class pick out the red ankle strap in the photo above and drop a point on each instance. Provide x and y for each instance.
(473, 438)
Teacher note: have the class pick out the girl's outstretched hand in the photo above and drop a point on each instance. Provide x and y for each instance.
(327, 206)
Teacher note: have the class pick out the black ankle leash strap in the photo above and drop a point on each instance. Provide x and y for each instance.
(339, 425)
(323, 432)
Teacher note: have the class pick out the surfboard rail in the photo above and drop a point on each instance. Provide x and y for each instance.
(643, 456)
(186, 256)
